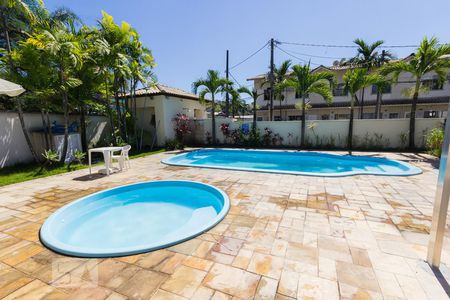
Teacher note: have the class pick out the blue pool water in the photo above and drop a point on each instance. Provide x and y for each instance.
(289, 162)
(134, 218)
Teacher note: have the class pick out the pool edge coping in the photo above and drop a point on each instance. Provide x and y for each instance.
(410, 172)
(75, 251)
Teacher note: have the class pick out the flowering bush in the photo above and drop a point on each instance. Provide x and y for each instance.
(225, 128)
(181, 126)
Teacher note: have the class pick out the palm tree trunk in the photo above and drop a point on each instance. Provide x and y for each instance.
(8, 40)
(281, 119)
(24, 129)
(66, 128)
(361, 111)
(49, 129)
(66, 119)
(47, 144)
(350, 127)
(412, 117)
(254, 113)
(108, 109)
(213, 119)
(378, 104)
(84, 143)
(302, 138)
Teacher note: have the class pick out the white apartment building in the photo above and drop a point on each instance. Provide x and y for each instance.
(395, 103)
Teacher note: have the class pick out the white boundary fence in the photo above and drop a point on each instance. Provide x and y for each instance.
(13, 147)
(368, 133)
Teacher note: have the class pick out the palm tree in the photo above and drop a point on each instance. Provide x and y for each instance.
(355, 80)
(368, 57)
(428, 59)
(280, 74)
(381, 85)
(10, 13)
(64, 52)
(213, 84)
(254, 94)
(11, 10)
(305, 83)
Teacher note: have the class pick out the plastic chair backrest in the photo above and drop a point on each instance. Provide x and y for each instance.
(125, 150)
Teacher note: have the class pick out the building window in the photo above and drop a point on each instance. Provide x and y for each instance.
(430, 114)
(386, 90)
(295, 118)
(369, 115)
(259, 118)
(297, 95)
(433, 84)
(339, 90)
(393, 116)
(267, 94)
(341, 116)
(325, 117)
(277, 118)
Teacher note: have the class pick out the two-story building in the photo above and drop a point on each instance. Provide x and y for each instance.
(396, 103)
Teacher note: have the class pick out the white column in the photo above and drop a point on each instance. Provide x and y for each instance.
(440, 203)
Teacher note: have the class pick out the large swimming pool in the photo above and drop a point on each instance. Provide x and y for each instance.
(134, 218)
(292, 162)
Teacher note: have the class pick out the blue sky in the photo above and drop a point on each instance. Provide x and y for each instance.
(189, 37)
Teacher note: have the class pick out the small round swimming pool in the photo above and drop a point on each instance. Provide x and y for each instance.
(134, 218)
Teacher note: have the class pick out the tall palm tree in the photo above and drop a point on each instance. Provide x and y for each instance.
(305, 83)
(280, 74)
(11, 11)
(428, 59)
(381, 85)
(254, 94)
(368, 57)
(213, 84)
(64, 52)
(354, 81)
(237, 104)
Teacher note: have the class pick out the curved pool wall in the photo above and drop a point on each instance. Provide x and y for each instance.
(292, 162)
(134, 218)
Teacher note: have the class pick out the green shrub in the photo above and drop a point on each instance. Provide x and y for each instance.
(434, 140)
(174, 145)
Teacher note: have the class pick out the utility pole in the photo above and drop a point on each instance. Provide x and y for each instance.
(271, 79)
(227, 96)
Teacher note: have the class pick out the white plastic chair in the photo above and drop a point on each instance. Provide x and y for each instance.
(123, 159)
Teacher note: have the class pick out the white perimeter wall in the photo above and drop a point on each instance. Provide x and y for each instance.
(382, 133)
(13, 147)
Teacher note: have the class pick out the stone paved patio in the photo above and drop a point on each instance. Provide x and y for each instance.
(285, 237)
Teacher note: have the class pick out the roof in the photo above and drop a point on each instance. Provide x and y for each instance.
(434, 100)
(332, 68)
(161, 89)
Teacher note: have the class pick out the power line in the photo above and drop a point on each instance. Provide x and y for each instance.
(296, 57)
(235, 79)
(345, 46)
(315, 56)
(250, 56)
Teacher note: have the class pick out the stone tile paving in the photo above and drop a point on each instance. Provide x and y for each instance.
(285, 237)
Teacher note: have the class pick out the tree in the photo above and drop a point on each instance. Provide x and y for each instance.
(355, 80)
(428, 59)
(254, 94)
(280, 74)
(368, 57)
(305, 83)
(15, 15)
(63, 51)
(381, 85)
(213, 84)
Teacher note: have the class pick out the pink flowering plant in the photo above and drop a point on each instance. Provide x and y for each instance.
(182, 127)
